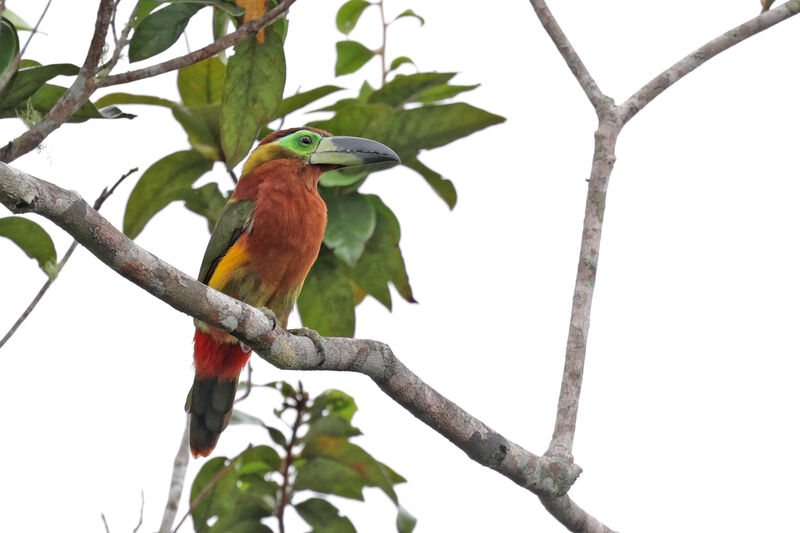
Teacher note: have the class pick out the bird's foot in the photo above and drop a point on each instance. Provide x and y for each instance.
(267, 311)
(315, 337)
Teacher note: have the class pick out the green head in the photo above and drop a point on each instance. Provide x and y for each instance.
(318, 147)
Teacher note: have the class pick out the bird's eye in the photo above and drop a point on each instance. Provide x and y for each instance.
(305, 140)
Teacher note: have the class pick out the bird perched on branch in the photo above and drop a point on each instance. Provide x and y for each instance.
(265, 241)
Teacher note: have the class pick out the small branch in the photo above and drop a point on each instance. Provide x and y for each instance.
(209, 486)
(14, 64)
(233, 176)
(105, 523)
(657, 85)
(383, 44)
(571, 57)
(249, 383)
(97, 203)
(73, 98)
(119, 43)
(301, 406)
(179, 467)
(141, 515)
(243, 32)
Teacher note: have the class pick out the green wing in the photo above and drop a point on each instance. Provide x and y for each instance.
(235, 219)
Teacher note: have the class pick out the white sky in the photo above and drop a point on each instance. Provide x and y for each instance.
(688, 416)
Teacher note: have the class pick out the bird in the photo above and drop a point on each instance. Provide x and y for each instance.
(264, 243)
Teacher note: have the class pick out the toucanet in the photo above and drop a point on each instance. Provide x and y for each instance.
(260, 252)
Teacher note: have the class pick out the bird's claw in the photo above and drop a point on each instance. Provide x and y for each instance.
(267, 311)
(315, 337)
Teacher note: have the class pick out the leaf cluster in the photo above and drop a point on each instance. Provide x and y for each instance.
(313, 457)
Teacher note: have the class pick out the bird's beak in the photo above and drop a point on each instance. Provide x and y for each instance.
(351, 152)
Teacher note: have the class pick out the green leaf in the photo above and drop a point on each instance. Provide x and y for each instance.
(371, 472)
(202, 125)
(16, 20)
(442, 92)
(407, 131)
(296, 101)
(330, 477)
(382, 262)
(404, 89)
(28, 80)
(207, 201)
(127, 98)
(402, 60)
(277, 436)
(219, 24)
(33, 240)
(405, 522)
(202, 83)
(332, 426)
(323, 517)
(241, 418)
(46, 97)
(228, 7)
(167, 180)
(9, 47)
(342, 177)
(159, 30)
(351, 56)
(143, 8)
(349, 13)
(410, 13)
(326, 301)
(333, 402)
(443, 187)
(241, 498)
(351, 221)
(253, 89)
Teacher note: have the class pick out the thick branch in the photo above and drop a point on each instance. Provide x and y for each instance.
(571, 57)
(73, 98)
(657, 85)
(22, 193)
(243, 32)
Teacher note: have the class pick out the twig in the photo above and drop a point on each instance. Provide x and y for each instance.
(141, 514)
(119, 43)
(14, 64)
(383, 44)
(210, 485)
(97, 203)
(179, 467)
(657, 85)
(243, 32)
(301, 406)
(249, 384)
(571, 57)
(73, 98)
(105, 523)
(233, 176)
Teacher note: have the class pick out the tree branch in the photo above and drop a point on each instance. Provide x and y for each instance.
(657, 85)
(243, 32)
(571, 57)
(73, 98)
(85, 83)
(179, 466)
(549, 476)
